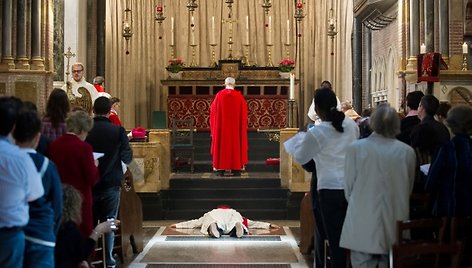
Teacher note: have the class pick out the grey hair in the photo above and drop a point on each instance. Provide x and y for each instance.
(79, 121)
(459, 119)
(98, 80)
(385, 121)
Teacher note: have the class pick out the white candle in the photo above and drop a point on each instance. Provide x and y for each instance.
(247, 30)
(172, 25)
(212, 36)
(422, 49)
(292, 86)
(288, 32)
(465, 48)
(269, 31)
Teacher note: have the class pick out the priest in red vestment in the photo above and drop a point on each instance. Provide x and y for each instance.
(228, 126)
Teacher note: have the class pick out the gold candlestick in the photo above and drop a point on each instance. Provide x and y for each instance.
(193, 63)
(172, 51)
(464, 63)
(287, 50)
(246, 55)
(213, 56)
(269, 56)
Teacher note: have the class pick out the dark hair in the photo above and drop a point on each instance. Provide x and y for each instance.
(366, 112)
(102, 106)
(28, 125)
(326, 84)
(8, 113)
(57, 107)
(413, 99)
(325, 101)
(430, 104)
(443, 108)
(114, 100)
(459, 119)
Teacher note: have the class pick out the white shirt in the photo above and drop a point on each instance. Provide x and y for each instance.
(312, 114)
(324, 144)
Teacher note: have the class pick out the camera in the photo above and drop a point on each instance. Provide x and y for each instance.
(112, 221)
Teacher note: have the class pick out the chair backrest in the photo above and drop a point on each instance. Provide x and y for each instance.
(421, 230)
(461, 230)
(425, 254)
(182, 133)
(158, 120)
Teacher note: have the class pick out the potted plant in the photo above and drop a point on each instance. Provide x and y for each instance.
(285, 66)
(175, 67)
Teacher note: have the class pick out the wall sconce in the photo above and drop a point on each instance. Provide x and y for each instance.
(299, 12)
(192, 5)
(266, 5)
(160, 13)
(127, 26)
(331, 24)
(331, 28)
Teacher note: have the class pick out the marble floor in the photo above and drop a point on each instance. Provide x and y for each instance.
(192, 249)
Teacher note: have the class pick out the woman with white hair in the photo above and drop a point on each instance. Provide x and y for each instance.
(379, 174)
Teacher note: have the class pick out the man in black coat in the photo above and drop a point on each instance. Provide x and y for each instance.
(111, 140)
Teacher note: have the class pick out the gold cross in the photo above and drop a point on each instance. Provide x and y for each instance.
(68, 55)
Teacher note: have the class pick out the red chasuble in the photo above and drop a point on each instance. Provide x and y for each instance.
(228, 126)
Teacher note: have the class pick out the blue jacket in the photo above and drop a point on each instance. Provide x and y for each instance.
(450, 178)
(45, 212)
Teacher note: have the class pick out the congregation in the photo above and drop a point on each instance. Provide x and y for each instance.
(61, 179)
(366, 170)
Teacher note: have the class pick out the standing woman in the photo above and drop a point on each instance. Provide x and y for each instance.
(74, 160)
(326, 144)
(53, 123)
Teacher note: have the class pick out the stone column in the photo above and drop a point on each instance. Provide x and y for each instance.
(357, 65)
(22, 61)
(368, 65)
(7, 57)
(414, 34)
(429, 25)
(444, 28)
(37, 62)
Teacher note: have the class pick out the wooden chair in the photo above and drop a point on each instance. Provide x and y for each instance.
(182, 143)
(431, 230)
(461, 231)
(423, 255)
(307, 225)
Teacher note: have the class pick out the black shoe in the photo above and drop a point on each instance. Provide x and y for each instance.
(236, 173)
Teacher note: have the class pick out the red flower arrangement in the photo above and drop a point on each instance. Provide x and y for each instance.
(175, 65)
(286, 65)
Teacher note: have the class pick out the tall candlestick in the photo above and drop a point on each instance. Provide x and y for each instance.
(212, 39)
(269, 31)
(465, 48)
(292, 86)
(422, 48)
(247, 30)
(172, 25)
(288, 32)
(192, 31)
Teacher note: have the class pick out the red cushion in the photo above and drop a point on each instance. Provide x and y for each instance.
(273, 161)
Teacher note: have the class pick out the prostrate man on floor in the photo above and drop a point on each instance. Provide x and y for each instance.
(224, 221)
(228, 127)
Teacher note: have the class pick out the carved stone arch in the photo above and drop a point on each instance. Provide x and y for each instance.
(468, 19)
(460, 95)
(391, 78)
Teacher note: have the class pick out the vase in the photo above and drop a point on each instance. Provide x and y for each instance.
(175, 75)
(284, 75)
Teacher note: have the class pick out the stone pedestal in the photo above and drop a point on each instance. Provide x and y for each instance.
(145, 166)
(292, 174)
(162, 138)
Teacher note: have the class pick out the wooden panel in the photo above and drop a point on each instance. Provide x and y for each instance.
(26, 91)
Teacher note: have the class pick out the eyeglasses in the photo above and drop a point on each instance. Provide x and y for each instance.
(77, 71)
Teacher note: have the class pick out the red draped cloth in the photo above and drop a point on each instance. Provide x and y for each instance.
(429, 65)
(228, 127)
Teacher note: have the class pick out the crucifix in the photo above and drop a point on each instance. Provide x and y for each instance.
(230, 22)
(68, 55)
